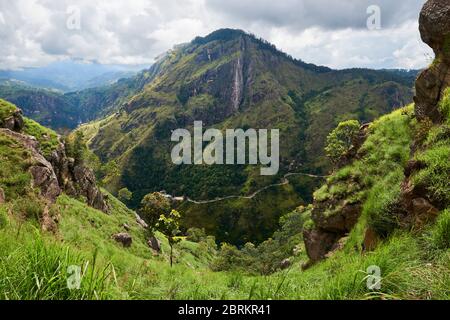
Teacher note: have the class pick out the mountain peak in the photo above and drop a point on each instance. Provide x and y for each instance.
(225, 34)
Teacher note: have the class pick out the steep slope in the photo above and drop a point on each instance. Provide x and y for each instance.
(230, 79)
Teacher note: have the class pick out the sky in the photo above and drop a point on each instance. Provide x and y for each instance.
(335, 33)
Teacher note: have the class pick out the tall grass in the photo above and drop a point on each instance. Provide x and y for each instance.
(36, 268)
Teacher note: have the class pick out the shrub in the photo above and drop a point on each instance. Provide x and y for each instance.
(153, 206)
(341, 139)
(125, 195)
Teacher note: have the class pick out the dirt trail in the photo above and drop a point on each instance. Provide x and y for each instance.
(284, 182)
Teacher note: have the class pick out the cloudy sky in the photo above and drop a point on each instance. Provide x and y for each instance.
(334, 33)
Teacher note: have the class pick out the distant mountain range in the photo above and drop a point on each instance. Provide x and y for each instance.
(70, 75)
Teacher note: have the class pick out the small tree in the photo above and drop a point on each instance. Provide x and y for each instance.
(125, 195)
(341, 139)
(153, 206)
(76, 146)
(169, 224)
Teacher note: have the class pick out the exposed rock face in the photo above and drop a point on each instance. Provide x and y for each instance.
(77, 180)
(14, 122)
(318, 243)
(339, 223)
(58, 173)
(371, 240)
(154, 244)
(434, 25)
(124, 238)
(141, 222)
(42, 171)
(330, 229)
(435, 31)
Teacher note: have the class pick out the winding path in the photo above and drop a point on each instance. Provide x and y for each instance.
(284, 182)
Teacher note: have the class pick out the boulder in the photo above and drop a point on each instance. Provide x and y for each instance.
(141, 222)
(340, 222)
(434, 25)
(318, 243)
(154, 244)
(124, 238)
(85, 180)
(15, 122)
(371, 240)
(285, 264)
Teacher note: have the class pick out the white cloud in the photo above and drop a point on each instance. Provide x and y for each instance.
(136, 31)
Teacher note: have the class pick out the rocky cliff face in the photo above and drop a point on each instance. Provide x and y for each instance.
(56, 173)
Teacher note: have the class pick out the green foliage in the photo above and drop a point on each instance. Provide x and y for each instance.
(196, 235)
(6, 110)
(125, 195)
(3, 217)
(193, 82)
(153, 206)
(169, 225)
(15, 179)
(435, 157)
(341, 139)
(76, 147)
(381, 202)
(439, 234)
(30, 207)
(265, 258)
(444, 105)
(35, 268)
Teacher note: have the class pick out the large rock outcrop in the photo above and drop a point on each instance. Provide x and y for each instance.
(434, 25)
(57, 172)
(77, 180)
(14, 122)
(42, 171)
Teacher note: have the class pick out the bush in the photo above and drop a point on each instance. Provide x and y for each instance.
(153, 206)
(196, 235)
(125, 195)
(341, 139)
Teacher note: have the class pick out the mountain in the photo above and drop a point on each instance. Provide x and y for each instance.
(230, 79)
(65, 111)
(70, 75)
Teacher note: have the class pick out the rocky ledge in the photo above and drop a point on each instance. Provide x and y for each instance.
(56, 173)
